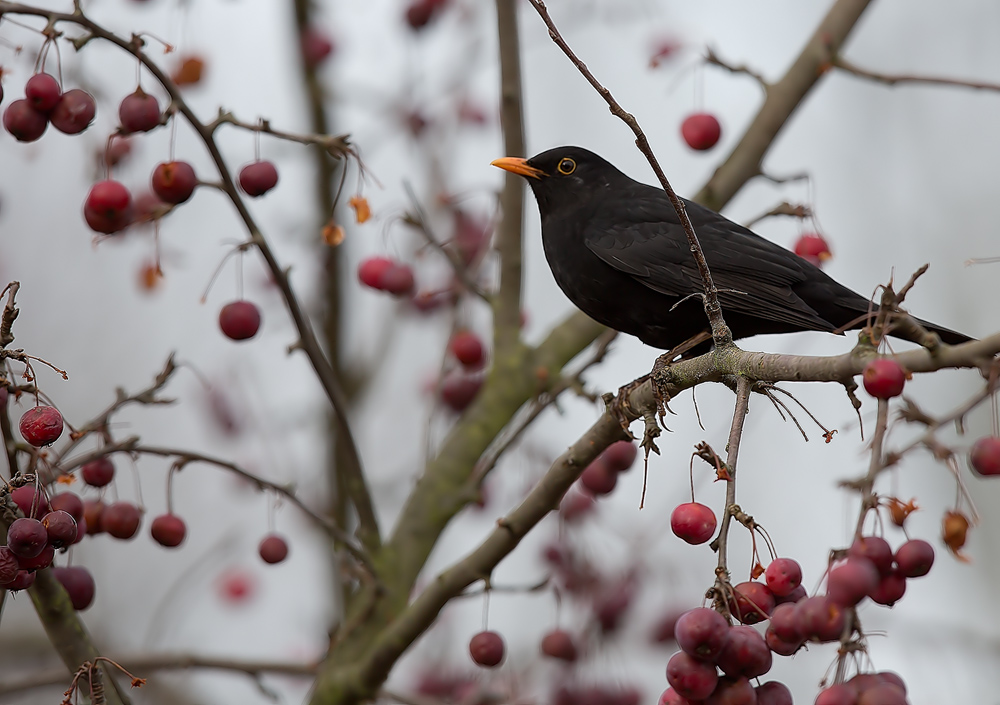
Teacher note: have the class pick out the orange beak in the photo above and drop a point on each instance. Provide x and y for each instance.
(516, 165)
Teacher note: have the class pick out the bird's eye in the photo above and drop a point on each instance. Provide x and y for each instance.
(566, 166)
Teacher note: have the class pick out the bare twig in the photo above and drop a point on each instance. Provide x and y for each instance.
(783, 208)
(894, 79)
(712, 58)
(338, 146)
(721, 543)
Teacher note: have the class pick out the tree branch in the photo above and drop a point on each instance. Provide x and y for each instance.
(894, 79)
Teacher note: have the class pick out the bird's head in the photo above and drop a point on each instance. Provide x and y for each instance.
(564, 176)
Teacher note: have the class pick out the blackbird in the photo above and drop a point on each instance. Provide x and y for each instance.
(617, 250)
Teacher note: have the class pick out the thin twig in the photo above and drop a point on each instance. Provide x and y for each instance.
(784, 208)
(894, 79)
(712, 58)
(721, 543)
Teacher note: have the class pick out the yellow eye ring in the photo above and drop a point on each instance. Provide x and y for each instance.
(566, 166)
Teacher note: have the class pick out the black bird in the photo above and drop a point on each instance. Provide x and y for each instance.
(618, 251)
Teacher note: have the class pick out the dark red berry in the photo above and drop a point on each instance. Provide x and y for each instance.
(98, 473)
(915, 558)
(745, 653)
(876, 549)
(820, 618)
(576, 505)
(693, 522)
(108, 208)
(79, 585)
(785, 624)
(139, 112)
(93, 509)
(67, 502)
(8, 565)
(273, 549)
(839, 694)
(397, 280)
(61, 528)
(892, 679)
(883, 378)
(889, 590)
(752, 602)
(467, 348)
(985, 456)
(174, 182)
(611, 605)
(370, 270)
(31, 501)
(315, 46)
(813, 248)
(419, 13)
(783, 575)
(851, 581)
(598, 478)
(24, 122)
(701, 131)
(26, 537)
(74, 112)
(779, 645)
(43, 92)
(239, 320)
(702, 633)
(882, 694)
(773, 693)
(691, 678)
(487, 649)
(559, 644)
(794, 596)
(620, 455)
(458, 389)
(121, 519)
(42, 560)
(24, 580)
(168, 530)
(41, 425)
(733, 691)
(257, 178)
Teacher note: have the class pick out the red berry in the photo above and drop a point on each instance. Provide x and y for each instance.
(851, 581)
(783, 575)
(702, 633)
(315, 46)
(42, 560)
(693, 522)
(74, 112)
(43, 92)
(876, 549)
(98, 473)
(236, 586)
(8, 565)
(701, 131)
(30, 501)
(26, 537)
(370, 270)
(882, 694)
(273, 549)
(24, 580)
(487, 649)
(467, 348)
(139, 112)
(458, 389)
(883, 378)
(24, 122)
(121, 519)
(79, 585)
(620, 455)
(611, 605)
(174, 182)
(733, 691)
(397, 280)
(820, 618)
(559, 644)
(915, 558)
(239, 320)
(985, 456)
(785, 624)
(889, 590)
(117, 149)
(745, 653)
(691, 678)
(92, 511)
(598, 478)
(839, 694)
(108, 208)
(773, 693)
(41, 425)
(892, 679)
(168, 530)
(61, 528)
(419, 13)
(779, 645)
(671, 697)
(257, 178)
(575, 505)
(794, 596)
(813, 248)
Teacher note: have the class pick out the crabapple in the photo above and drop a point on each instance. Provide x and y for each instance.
(41, 425)
(239, 320)
(701, 131)
(693, 522)
(257, 178)
(487, 649)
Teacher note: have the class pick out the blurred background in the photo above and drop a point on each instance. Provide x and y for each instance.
(898, 177)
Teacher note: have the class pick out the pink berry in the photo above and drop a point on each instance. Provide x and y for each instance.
(598, 478)
(174, 182)
(108, 208)
(851, 581)
(79, 585)
(691, 678)
(773, 693)
(315, 46)
(26, 537)
(273, 549)
(467, 348)
(745, 653)
(889, 590)
(41, 425)
(370, 270)
(121, 520)
(915, 558)
(883, 378)
(733, 691)
(839, 694)
(874, 548)
(74, 112)
(397, 280)
(820, 618)
(813, 248)
(487, 649)
(702, 633)
(239, 320)
(693, 522)
(31, 501)
(780, 646)
(985, 456)
(794, 596)
(168, 530)
(882, 694)
(43, 92)
(117, 149)
(139, 112)
(61, 528)
(701, 131)
(785, 624)
(257, 178)
(576, 505)
(671, 697)
(783, 575)
(620, 455)
(99, 472)
(24, 122)
(559, 644)
(752, 602)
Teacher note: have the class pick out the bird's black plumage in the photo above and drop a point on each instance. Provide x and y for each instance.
(618, 251)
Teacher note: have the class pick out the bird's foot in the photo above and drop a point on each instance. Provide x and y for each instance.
(619, 405)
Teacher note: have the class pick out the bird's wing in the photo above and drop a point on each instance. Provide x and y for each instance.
(754, 276)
